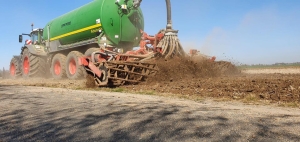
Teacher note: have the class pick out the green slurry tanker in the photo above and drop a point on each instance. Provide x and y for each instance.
(96, 39)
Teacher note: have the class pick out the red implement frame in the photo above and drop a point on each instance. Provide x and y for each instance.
(129, 55)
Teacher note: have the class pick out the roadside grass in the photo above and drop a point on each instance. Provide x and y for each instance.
(223, 99)
(147, 92)
(151, 93)
(289, 104)
(120, 90)
(251, 98)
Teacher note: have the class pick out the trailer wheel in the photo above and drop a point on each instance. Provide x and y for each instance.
(73, 69)
(14, 69)
(89, 52)
(32, 65)
(58, 66)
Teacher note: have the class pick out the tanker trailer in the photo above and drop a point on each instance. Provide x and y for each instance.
(55, 49)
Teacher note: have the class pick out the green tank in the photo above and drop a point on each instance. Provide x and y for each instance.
(119, 21)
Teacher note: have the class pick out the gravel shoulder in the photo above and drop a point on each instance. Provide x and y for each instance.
(57, 114)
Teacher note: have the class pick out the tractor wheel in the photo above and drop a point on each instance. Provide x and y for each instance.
(32, 65)
(73, 69)
(89, 52)
(14, 69)
(58, 66)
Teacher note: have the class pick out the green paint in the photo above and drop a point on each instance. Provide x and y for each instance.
(120, 27)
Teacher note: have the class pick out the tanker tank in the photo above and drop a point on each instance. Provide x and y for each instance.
(99, 17)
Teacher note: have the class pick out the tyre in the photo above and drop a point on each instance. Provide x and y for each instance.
(73, 69)
(58, 66)
(32, 65)
(89, 52)
(103, 80)
(15, 67)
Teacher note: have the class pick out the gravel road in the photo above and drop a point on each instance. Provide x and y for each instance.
(56, 114)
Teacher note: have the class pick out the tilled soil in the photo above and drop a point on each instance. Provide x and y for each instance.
(272, 88)
(200, 78)
(192, 77)
(182, 69)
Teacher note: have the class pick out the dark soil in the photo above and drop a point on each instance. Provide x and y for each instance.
(181, 69)
(275, 87)
(220, 79)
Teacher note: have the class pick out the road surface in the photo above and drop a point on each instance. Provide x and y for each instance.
(56, 114)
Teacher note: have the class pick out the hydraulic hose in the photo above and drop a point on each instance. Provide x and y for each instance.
(136, 4)
(169, 18)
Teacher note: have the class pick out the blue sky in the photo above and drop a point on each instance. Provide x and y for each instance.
(242, 31)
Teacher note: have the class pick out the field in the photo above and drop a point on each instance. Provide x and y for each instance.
(290, 70)
(158, 109)
(198, 80)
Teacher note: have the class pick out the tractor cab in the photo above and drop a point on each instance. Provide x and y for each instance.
(35, 37)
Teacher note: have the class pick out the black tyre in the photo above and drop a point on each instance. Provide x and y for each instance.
(32, 65)
(58, 66)
(73, 69)
(89, 52)
(103, 80)
(15, 67)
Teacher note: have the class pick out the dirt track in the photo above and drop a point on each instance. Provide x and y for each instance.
(56, 114)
